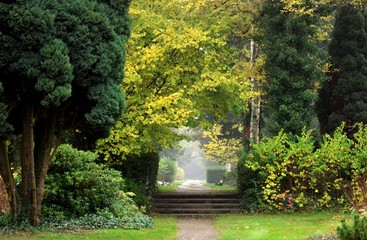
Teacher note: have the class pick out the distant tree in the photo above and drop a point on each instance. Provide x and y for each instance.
(223, 147)
(60, 68)
(344, 96)
(290, 65)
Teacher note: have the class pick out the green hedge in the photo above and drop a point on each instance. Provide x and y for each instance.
(214, 174)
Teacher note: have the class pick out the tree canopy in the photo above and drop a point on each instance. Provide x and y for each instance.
(180, 70)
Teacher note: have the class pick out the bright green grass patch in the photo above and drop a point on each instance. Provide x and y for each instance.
(164, 229)
(276, 227)
(221, 189)
(172, 188)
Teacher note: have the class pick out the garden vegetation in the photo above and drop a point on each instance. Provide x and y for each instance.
(291, 172)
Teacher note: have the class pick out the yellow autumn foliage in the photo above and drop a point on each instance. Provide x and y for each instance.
(179, 69)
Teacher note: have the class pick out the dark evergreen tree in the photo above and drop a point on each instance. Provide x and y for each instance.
(291, 68)
(60, 68)
(344, 96)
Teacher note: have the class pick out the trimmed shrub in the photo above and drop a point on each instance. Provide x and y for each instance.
(214, 174)
(167, 170)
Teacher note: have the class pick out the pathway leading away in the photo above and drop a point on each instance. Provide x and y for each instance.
(195, 228)
(193, 186)
(191, 228)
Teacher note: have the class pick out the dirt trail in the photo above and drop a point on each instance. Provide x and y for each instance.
(195, 228)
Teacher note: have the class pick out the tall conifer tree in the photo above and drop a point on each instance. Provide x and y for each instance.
(344, 96)
(291, 67)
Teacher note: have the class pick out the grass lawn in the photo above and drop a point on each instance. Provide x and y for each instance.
(172, 188)
(221, 189)
(230, 227)
(164, 229)
(276, 226)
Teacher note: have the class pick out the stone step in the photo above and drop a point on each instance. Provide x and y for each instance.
(196, 203)
(196, 195)
(185, 211)
(196, 200)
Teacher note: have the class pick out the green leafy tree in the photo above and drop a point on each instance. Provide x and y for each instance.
(344, 96)
(179, 71)
(290, 65)
(60, 69)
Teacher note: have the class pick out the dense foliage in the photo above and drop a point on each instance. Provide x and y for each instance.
(61, 63)
(291, 67)
(223, 145)
(355, 231)
(83, 194)
(215, 174)
(179, 70)
(344, 96)
(140, 173)
(294, 174)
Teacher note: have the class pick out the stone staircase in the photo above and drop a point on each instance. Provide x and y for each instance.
(196, 203)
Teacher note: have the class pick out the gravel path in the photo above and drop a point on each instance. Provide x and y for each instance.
(195, 228)
(193, 186)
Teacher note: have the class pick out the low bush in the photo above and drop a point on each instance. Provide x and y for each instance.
(80, 193)
(252, 201)
(141, 198)
(355, 231)
(76, 185)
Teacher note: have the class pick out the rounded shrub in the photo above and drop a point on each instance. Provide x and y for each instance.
(76, 185)
(167, 170)
(82, 194)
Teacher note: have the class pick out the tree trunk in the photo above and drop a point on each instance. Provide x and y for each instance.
(45, 144)
(8, 178)
(29, 190)
(255, 101)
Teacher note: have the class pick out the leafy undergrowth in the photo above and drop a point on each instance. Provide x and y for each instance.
(164, 229)
(276, 227)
